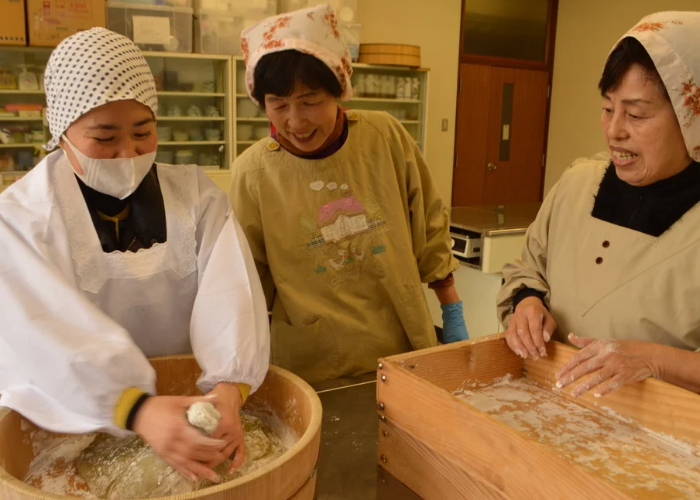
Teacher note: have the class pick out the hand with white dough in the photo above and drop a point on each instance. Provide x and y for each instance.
(530, 327)
(230, 429)
(614, 363)
(162, 424)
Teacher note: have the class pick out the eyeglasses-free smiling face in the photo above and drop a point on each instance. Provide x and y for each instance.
(120, 129)
(306, 118)
(642, 132)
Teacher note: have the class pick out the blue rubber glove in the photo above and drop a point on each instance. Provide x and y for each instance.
(454, 328)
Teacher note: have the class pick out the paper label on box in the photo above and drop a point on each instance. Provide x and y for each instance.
(74, 9)
(151, 30)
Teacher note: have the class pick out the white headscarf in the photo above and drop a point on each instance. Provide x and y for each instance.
(313, 31)
(672, 40)
(92, 68)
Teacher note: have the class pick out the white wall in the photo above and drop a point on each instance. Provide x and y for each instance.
(434, 26)
(586, 32)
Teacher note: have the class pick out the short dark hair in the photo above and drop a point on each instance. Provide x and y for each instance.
(629, 52)
(279, 72)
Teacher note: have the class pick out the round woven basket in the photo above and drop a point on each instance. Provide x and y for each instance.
(291, 476)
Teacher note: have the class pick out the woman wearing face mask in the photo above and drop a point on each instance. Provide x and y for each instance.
(613, 253)
(109, 258)
(340, 210)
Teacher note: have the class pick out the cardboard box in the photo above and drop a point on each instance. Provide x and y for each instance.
(12, 23)
(443, 447)
(50, 21)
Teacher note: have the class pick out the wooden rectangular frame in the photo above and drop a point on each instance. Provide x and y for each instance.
(441, 447)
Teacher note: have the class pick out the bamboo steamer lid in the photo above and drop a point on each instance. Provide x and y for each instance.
(390, 53)
(290, 477)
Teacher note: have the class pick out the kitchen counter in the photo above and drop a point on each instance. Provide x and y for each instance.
(499, 234)
(495, 220)
(348, 467)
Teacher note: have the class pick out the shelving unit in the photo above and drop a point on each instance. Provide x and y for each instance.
(191, 118)
(21, 92)
(206, 79)
(192, 143)
(20, 145)
(222, 73)
(413, 109)
(19, 119)
(191, 94)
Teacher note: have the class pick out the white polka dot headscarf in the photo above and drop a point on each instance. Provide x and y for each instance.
(92, 68)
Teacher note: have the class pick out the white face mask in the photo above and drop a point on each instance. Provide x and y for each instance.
(118, 177)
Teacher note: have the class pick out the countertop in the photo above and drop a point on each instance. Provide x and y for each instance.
(495, 220)
(348, 467)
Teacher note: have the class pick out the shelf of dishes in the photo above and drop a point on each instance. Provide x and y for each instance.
(265, 120)
(19, 119)
(366, 99)
(23, 157)
(190, 94)
(209, 159)
(14, 145)
(21, 92)
(386, 86)
(168, 111)
(163, 93)
(189, 118)
(192, 111)
(168, 135)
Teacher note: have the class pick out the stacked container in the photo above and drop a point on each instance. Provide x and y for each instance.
(219, 23)
(166, 27)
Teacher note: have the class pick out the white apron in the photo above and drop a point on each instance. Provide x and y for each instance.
(128, 286)
(76, 324)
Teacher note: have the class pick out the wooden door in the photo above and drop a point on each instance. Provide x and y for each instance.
(471, 135)
(501, 126)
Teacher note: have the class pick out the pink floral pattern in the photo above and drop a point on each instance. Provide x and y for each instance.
(691, 101)
(696, 153)
(245, 49)
(671, 40)
(333, 23)
(653, 26)
(313, 31)
(269, 41)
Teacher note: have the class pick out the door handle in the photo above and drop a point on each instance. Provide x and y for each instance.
(491, 166)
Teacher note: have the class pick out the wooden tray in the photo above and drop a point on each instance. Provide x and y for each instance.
(443, 447)
(292, 476)
(391, 54)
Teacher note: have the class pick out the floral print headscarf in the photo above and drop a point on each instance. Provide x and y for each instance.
(313, 31)
(672, 39)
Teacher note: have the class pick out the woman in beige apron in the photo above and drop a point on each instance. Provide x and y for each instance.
(340, 210)
(611, 262)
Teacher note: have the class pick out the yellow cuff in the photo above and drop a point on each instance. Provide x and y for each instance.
(245, 391)
(126, 402)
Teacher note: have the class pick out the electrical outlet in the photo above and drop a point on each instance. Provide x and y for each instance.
(444, 124)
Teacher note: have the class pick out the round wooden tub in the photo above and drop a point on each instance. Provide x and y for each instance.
(290, 477)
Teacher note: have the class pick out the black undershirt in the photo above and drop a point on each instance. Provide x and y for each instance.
(649, 209)
(142, 228)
